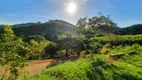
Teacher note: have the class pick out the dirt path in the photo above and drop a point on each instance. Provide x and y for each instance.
(33, 67)
(2, 70)
(38, 66)
(111, 60)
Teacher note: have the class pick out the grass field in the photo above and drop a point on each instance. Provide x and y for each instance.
(98, 67)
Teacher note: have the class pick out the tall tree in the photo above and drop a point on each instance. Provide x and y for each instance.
(103, 23)
(11, 51)
(92, 27)
(8, 34)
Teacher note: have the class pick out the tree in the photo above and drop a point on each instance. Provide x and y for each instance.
(78, 45)
(89, 29)
(67, 44)
(7, 34)
(81, 26)
(72, 43)
(103, 23)
(9, 45)
(12, 51)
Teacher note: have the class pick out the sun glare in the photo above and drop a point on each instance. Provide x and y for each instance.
(71, 8)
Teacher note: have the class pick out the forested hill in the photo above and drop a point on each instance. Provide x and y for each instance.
(131, 30)
(49, 29)
(52, 28)
(42, 28)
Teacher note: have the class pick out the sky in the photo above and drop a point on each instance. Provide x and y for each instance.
(122, 12)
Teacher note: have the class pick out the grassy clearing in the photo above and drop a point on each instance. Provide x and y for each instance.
(97, 67)
(117, 49)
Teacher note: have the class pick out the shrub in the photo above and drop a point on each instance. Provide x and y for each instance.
(61, 53)
(50, 50)
(111, 37)
(121, 40)
(104, 50)
(84, 53)
(36, 50)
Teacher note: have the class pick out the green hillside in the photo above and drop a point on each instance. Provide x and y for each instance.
(50, 30)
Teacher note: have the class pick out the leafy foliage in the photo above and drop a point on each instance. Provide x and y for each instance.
(72, 43)
(12, 50)
(89, 29)
(121, 40)
(50, 50)
(12, 47)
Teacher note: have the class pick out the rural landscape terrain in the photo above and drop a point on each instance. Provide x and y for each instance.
(70, 40)
(58, 50)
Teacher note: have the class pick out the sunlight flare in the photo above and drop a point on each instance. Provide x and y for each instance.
(71, 8)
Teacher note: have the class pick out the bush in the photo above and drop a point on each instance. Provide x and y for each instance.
(43, 49)
(36, 50)
(104, 50)
(61, 53)
(50, 50)
(84, 53)
(121, 40)
(111, 37)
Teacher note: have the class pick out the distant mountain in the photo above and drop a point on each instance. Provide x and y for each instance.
(1, 26)
(53, 28)
(49, 30)
(131, 30)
